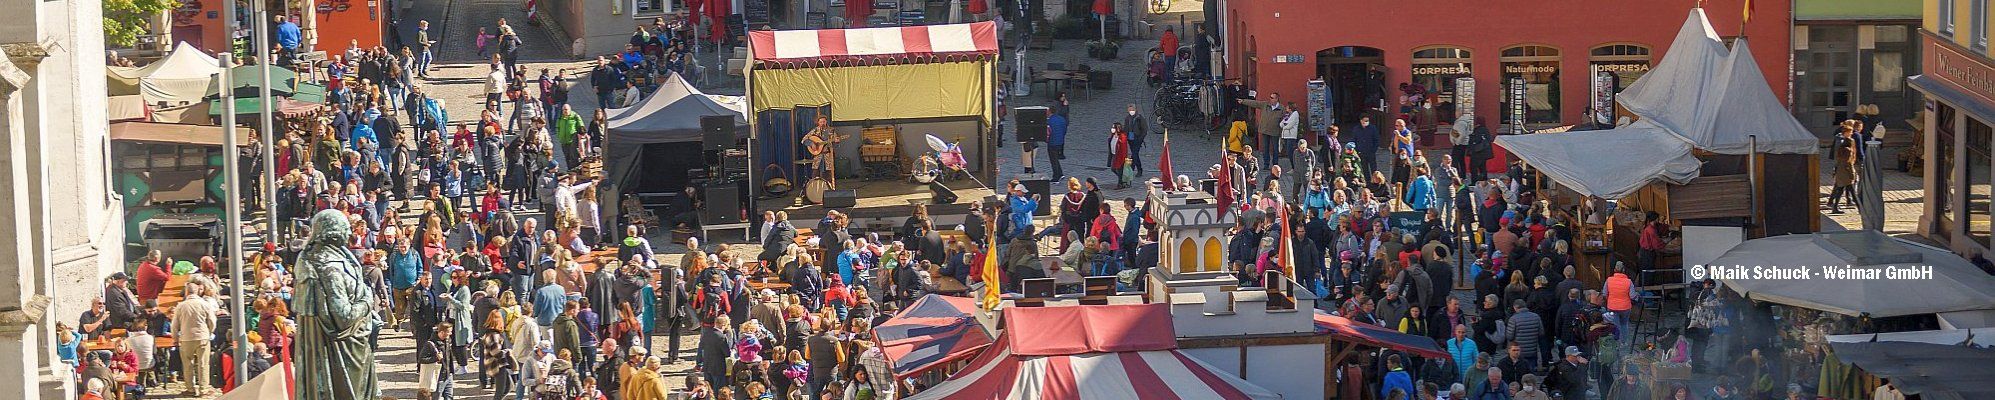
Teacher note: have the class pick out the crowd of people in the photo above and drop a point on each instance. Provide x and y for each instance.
(485, 242)
(483, 238)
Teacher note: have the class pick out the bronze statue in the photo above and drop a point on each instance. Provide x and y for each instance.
(335, 316)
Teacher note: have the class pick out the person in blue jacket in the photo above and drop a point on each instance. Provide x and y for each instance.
(1397, 379)
(1056, 142)
(1020, 204)
(1420, 193)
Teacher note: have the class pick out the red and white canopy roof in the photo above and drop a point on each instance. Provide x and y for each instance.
(926, 43)
(1115, 352)
(1133, 375)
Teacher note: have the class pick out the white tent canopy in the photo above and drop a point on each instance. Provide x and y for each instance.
(1700, 96)
(1715, 97)
(182, 77)
(1984, 337)
(1643, 153)
(1955, 285)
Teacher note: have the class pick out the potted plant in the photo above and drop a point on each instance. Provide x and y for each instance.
(1103, 49)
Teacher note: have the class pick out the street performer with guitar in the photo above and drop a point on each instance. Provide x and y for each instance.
(820, 142)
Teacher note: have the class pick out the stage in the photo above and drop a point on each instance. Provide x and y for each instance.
(882, 200)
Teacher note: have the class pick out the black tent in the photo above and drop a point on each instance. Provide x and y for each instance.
(666, 123)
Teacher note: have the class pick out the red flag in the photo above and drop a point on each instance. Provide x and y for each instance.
(1104, 7)
(1225, 191)
(1164, 165)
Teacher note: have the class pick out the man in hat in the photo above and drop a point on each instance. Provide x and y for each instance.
(119, 302)
(1020, 204)
(1569, 376)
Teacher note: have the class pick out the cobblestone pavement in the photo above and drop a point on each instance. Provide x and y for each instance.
(454, 25)
(1904, 202)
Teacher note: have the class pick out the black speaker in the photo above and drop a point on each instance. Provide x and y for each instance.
(723, 203)
(719, 132)
(1030, 123)
(941, 194)
(1041, 188)
(842, 198)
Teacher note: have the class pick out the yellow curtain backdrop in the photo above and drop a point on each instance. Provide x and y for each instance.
(880, 92)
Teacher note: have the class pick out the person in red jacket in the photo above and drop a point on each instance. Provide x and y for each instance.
(1169, 46)
(152, 277)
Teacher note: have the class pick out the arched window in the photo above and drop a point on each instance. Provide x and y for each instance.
(1521, 53)
(1187, 256)
(1215, 255)
(1621, 52)
(1436, 69)
(1536, 67)
(1610, 69)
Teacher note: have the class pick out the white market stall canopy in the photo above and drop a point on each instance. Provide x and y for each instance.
(183, 76)
(1955, 284)
(1640, 153)
(1701, 96)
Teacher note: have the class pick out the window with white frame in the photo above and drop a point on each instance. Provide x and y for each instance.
(1978, 22)
(1946, 17)
(649, 7)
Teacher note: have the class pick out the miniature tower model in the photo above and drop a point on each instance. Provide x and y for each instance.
(1191, 244)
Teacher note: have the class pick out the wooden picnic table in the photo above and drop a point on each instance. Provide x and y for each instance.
(107, 342)
(173, 293)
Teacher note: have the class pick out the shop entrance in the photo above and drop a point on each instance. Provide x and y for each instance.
(1354, 78)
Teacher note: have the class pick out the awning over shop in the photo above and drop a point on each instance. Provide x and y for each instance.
(898, 45)
(1642, 153)
(1955, 284)
(1932, 371)
(1346, 330)
(157, 132)
(931, 332)
(1946, 92)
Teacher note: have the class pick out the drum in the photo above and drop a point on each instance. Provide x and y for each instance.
(777, 186)
(814, 190)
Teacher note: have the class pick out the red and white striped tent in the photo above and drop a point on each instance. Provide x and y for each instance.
(1090, 353)
(943, 76)
(897, 45)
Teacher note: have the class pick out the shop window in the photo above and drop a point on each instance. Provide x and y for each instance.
(1887, 72)
(1435, 69)
(648, 7)
(1627, 62)
(1978, 179)
(1942, 168)
(1538, 66)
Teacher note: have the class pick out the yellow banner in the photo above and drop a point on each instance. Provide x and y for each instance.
(881, 92)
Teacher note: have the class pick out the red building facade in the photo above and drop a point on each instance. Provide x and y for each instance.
(1365, 49)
